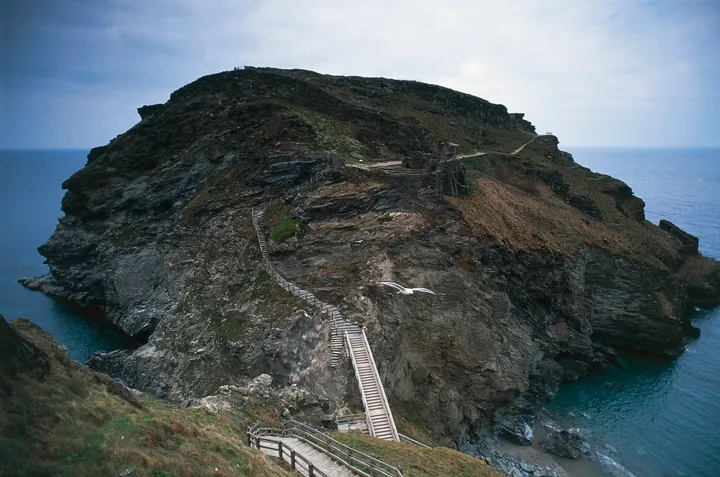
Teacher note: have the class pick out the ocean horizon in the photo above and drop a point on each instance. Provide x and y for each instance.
(658, 417)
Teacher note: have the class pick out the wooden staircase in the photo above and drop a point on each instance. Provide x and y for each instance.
(344, 335)
(378, 415)
(313, 453)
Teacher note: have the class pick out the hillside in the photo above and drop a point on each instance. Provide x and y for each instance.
(544, 270)
(58, 418)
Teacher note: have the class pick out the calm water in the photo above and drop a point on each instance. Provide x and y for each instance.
(662, 417)
(30, 196)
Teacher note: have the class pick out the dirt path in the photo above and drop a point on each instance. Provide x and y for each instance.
(376, 165)
(474, 154)
(517, 151)
(458, 156)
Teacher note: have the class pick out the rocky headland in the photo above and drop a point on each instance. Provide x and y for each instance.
(543, 269)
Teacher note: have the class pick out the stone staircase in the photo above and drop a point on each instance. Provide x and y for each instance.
(344, 335)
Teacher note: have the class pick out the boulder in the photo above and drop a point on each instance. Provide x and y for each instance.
(563, 442)
(517, 428)
(212, 404)
(260, 386)
(516, 422)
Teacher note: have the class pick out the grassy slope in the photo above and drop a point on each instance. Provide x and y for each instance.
(523, 214)
(80, 423)
(77, 423)
(443, 122)
(415, 461)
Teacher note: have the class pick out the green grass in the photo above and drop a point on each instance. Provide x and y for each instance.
(77, 423)
(416, 461)
(332, 135)
(286, 228)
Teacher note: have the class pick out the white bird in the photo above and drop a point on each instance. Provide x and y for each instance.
(406, 291)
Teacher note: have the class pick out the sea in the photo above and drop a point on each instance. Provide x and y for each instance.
(647, 417)
(30, 195)
(653, 417)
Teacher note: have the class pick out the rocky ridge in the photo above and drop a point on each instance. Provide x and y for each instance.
(544, 269)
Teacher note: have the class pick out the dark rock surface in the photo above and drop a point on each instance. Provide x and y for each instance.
(148, 110)
(563, 442)
(533, 288)
(509, 463)
(19, 356)
(689, 243)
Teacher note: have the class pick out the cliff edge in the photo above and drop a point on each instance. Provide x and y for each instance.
(543, 268)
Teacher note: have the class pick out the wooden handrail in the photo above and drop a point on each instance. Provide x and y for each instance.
(294, 455)
(342, 447)
(359, 462)
(410, 440)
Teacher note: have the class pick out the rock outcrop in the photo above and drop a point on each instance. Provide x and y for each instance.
(543, 269)
(688, 243)
(563, 442)
(19, 356)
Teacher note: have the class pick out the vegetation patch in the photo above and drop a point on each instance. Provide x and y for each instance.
(332, 135)
(286, 228)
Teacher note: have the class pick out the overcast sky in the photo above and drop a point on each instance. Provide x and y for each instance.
(595, 72)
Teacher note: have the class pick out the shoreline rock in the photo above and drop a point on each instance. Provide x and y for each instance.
(508, 462)
(564, 442)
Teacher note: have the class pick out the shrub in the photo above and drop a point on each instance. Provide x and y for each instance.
(285, 229)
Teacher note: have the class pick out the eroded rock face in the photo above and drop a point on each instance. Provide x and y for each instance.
(158, 233)
(689, 243)
(288, 401)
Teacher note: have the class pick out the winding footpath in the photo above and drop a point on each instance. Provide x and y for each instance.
(344, 335)
(514, 153)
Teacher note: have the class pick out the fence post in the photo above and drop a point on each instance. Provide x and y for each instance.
(292, 459)
(249, 438)
(311, 470)
(280, 449)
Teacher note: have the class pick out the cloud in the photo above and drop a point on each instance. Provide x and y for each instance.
(598, 72)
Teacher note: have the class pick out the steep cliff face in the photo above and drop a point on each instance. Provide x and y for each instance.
(541, 266)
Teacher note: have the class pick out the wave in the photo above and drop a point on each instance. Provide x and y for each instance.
(615, 468)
